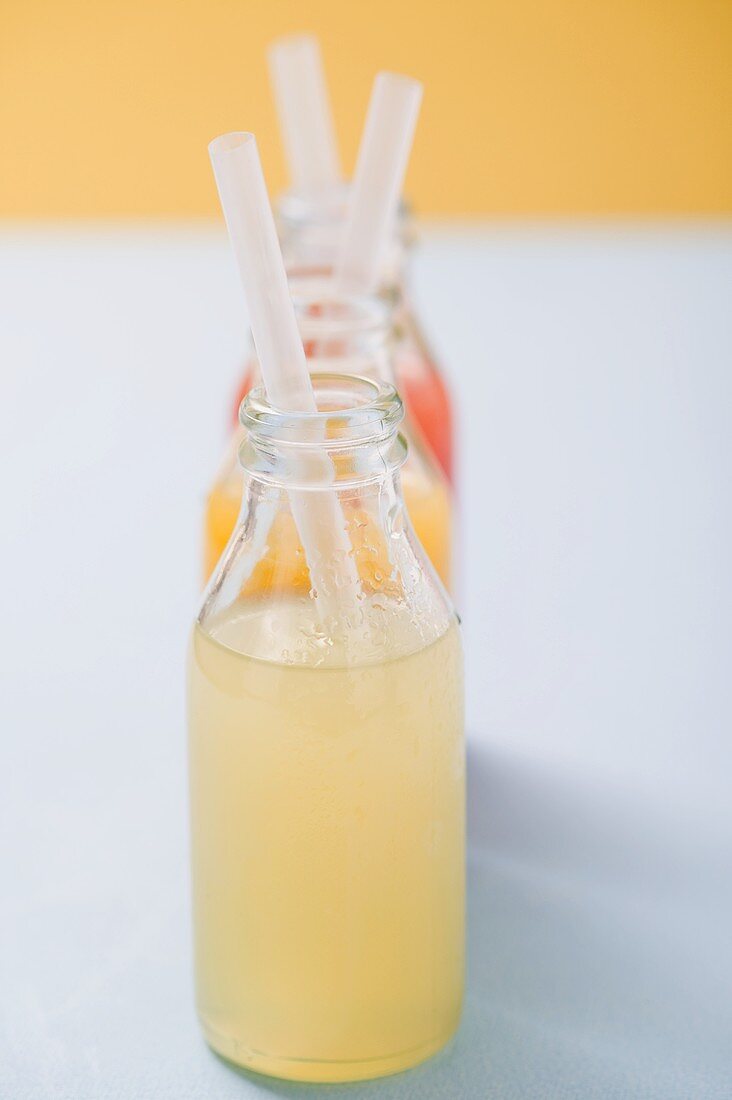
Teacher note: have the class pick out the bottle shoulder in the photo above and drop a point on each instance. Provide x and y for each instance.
(287, 631)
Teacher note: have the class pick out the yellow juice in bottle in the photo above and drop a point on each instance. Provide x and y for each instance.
(327, 840)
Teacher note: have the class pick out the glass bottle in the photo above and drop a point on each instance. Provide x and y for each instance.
(353, 335)
(327, 762)
(310, 228)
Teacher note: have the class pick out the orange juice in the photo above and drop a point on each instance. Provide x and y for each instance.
(428, 505)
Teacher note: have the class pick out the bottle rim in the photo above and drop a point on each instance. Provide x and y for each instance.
(352, 439)
(352, 410)
(328, 206)
(325, 312)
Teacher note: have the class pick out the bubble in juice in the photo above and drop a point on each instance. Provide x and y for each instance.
(328, 843)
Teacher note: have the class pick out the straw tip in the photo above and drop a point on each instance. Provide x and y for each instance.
(298, 42)
(229, 143)
(399, 81)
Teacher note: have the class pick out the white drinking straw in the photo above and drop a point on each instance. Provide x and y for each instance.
(382, 163)
(306, 121)
(251, 227)
(248, 216)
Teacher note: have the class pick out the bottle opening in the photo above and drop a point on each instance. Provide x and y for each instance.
(351, 408)
(325, 314)
(304, 207)
(356, 424)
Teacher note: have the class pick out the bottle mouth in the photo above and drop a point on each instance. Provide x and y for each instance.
(323, 312)
(326, 206)
(352, 410)
(317, 216)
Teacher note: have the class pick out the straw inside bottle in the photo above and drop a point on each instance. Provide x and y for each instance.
(243, 193)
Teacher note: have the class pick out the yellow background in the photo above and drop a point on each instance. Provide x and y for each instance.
(531, 106)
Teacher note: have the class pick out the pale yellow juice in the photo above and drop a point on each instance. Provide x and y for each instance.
(328, 843)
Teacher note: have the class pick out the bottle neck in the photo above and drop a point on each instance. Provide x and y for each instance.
(350, 444)
(311, 225)
(348, 334)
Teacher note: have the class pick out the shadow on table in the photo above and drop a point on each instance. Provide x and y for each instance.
(574, 986)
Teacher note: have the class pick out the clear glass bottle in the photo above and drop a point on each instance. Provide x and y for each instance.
(327, 761)
(310, 229)
(354, 335)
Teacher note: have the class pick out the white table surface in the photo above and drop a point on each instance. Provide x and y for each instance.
(593, 370)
